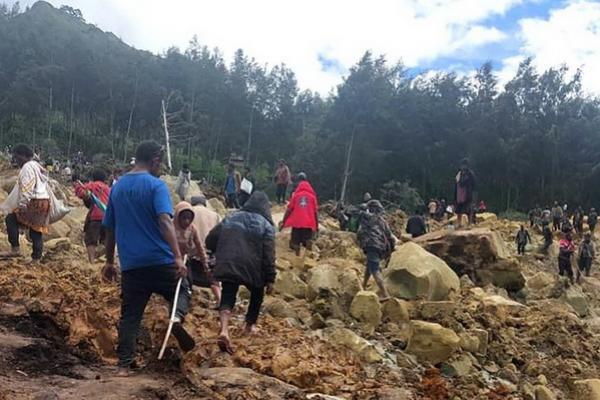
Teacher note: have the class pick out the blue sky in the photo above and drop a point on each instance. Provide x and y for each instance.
(321, 39)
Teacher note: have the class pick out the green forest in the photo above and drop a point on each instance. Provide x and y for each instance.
(67, 86)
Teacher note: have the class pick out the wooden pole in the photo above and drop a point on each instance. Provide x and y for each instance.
(347, 169)
(164, 113)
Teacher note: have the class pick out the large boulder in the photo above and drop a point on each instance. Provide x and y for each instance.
(230, 382)
(576, 298)
(351, 341)
(58, 230)
(366, 309)
(217, 206)
(338, 244)
(479, 253)
(333, 284)
(288, 284)
(587, 389)
(432, 342)
(414, 273)
(171, 181)
(395, 310)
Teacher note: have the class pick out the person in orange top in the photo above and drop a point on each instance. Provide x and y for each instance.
(302, 215)
(92, 229)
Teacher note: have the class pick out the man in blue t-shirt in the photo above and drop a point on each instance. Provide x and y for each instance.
(138, 220)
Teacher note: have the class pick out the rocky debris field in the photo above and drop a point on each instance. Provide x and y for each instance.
(468, 320)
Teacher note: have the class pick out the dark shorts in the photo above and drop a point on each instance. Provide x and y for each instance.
(463, 208)
(93, 233)
(373, 261)
(301, 236)
(201, 275)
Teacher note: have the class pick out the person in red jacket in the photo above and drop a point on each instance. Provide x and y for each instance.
(302, 215)
(93, 231)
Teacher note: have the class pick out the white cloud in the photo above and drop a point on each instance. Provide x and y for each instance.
(296, 32)
(570, 35)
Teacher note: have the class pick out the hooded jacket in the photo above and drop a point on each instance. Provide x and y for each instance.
(185, 237)
(244, 245)
(302, 208)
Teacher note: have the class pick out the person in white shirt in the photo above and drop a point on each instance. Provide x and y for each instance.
(28, 205)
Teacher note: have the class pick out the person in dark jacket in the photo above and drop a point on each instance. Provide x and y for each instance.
(376, 240)
(244, 248)
(523, 238)
(416, 225)
(547, 234)
(592, 220)
(587, 253)
(463, 192)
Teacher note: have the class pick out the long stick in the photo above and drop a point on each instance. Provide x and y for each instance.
(347, 169)
(172, 319)
(164, 113)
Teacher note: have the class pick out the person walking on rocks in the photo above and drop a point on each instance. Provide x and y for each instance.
(139, 221)
(96, 189)
(565, 253)
(283, 178)
(377, 242)
(205, 220)
(28, 205)
(557, 216)
(592, 220)
(184, 181)
(548, 238)
(244, 247)
(233, 182)
(523, 238)
(463, 193)
(587, 253)
(302, 216)
(190, 244)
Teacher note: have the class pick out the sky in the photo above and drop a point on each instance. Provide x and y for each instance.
(321, 39)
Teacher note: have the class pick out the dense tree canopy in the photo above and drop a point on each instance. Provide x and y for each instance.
(66, 85)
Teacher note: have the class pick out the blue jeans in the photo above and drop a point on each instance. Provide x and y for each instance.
(137, 286)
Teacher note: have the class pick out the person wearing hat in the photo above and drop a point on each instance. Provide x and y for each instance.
(377, 242)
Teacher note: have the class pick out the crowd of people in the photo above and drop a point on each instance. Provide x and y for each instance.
(162, 246)
(568, 225)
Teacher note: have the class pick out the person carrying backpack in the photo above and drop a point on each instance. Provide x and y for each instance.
(377, 242)
(587, 253)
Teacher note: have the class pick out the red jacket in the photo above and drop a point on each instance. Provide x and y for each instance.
(302, 208)
(100, 190)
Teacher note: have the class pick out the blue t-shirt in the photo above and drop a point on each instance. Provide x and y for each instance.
(135, 204)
